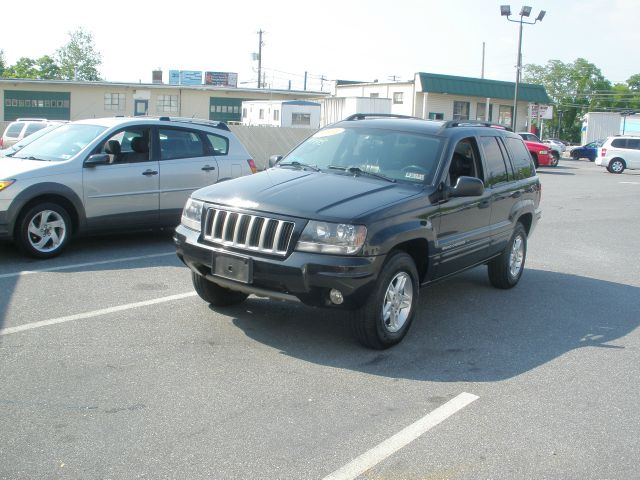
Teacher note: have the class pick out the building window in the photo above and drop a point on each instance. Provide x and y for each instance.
(505, 115)
(397, 98)
(114, 101)
(460, 110)
(301, 119)
(436, 116)
(167, 104)
(244, 113)
(374, 95)
(276, 115)
(481, 111)
(261, 114)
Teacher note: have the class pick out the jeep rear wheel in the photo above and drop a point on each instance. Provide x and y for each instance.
(505, 270)
(387, 314)
(43, 230)
(215, 294)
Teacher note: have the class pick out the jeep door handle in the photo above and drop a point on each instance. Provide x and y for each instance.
(149, 172)
(208, 168)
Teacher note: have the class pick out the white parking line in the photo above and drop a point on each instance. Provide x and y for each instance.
(631, 183)
(88, 264)
(391, 445)
(95, 313)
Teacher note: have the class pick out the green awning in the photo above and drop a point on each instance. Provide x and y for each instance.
(480, 87)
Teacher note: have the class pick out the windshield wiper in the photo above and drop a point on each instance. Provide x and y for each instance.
(32, 158)
(359, 171)
(299, 165)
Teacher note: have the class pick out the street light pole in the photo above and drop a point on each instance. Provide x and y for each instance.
(505, 11)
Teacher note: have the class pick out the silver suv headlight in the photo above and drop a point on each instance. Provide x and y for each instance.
(337, 238)
(192, 214)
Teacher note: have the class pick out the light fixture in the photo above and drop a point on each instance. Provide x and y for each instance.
(525, 11)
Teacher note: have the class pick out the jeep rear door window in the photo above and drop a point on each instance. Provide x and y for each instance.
(14, 130)
(520, 158)
(34, 127)
(394, 154)
(496, 167)
(62, 143)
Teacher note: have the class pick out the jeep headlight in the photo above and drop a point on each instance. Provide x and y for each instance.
(192, 214)
(337, 238)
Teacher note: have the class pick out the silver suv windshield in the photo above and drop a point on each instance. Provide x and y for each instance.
(392, 154)
(61, 144)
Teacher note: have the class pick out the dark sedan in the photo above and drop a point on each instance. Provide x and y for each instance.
(590, 151)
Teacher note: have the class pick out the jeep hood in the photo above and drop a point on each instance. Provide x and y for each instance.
(307, 194)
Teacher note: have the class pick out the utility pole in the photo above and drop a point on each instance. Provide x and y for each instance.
(482, 73)
(305, 81)
(260, 32)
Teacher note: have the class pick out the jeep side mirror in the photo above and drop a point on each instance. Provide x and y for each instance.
(97, 159)
(467, 187)
(273, 159)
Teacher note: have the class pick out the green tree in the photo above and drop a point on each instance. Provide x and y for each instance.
(24, 68)
(3, 63)
(78, 59)
(575, 88)
(48, 69)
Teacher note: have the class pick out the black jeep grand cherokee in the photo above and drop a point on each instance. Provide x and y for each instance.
(364, 213)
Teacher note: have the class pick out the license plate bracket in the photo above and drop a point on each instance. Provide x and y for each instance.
(232, 267)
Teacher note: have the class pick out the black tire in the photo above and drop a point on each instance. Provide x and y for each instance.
(505, 270)
(616, 166)
(369, 325)
(43, 230)
(215, 294)
(575, 156)
(556, 159)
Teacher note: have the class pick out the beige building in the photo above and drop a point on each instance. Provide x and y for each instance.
(75, 100)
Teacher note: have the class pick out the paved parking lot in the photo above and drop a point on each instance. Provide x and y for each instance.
(111, 367)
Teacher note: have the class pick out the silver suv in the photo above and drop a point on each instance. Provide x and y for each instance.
(22, 128)
(110, 174)
(619, 153)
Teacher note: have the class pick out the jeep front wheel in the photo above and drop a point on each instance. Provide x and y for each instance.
(505, 270)
(215, 294)
(43, 230)
(386, 316)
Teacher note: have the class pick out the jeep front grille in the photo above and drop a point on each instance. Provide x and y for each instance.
(248, 232)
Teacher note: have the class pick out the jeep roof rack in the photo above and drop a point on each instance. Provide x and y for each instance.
(362, 116)
(474, 123)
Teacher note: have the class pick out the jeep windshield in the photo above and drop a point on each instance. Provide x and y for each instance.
(389, 154)
(61, 144)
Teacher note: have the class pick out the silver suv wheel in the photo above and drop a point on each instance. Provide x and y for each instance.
(47, 231)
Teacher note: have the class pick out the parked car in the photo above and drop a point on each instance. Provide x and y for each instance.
(22, 128)
(111, 174)
(555, 145)
(619, 153)
(543, 154)
(362, 214)
(589, 151)
(10, 151)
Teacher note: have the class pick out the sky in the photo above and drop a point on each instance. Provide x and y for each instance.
(362, 40)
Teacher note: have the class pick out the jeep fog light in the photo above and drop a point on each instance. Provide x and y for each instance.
(336, 296)
(336, 238)
(192, 214)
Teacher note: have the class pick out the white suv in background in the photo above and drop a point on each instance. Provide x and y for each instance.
(21, 128)
(619, 153)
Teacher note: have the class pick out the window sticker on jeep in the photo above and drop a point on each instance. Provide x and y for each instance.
(328, 132)
(414, 176)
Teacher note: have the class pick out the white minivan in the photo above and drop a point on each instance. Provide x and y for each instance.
(619, 153)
